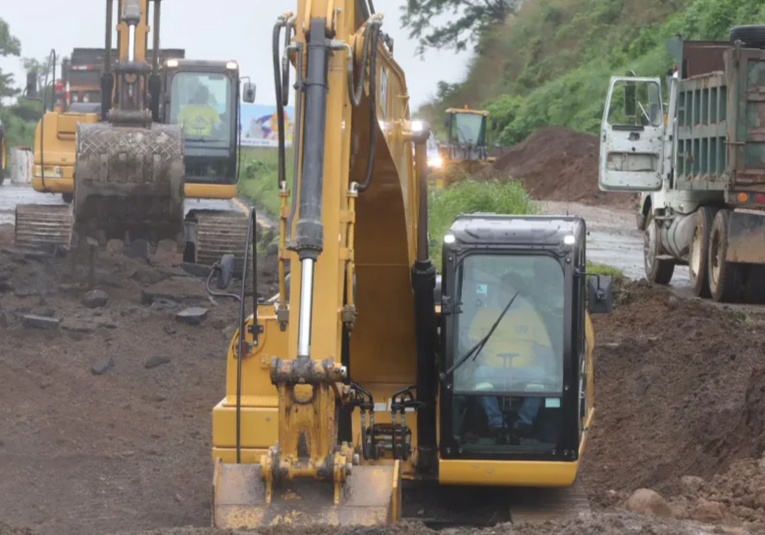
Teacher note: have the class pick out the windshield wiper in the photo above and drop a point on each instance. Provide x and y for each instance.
(479, 345)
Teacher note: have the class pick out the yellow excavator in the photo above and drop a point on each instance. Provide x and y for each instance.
(130, 181)
(355, 398)
(465, 151)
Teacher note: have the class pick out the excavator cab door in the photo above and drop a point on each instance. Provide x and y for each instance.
(632, 136)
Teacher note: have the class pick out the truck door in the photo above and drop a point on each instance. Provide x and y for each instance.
(632, 136)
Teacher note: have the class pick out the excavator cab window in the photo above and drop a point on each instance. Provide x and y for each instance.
(468, 129)
(508, 393)
(201, 103)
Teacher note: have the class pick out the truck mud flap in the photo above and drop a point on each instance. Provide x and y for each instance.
(746, 238)
(129, 182)
(371, 496)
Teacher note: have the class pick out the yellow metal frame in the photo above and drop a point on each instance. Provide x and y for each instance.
(289, 431)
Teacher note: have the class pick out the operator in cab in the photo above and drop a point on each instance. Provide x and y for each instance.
(199, 118)
(519, 354)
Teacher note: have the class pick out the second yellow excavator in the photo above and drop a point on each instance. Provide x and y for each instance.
(369, 389)
(143, 150)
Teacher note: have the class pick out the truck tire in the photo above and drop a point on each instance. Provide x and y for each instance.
(752, 35)
(724, 277)
(699, 252)
(657, 270)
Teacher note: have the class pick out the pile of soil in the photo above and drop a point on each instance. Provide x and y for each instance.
(679, 392)
(107, 391)
(557, 164)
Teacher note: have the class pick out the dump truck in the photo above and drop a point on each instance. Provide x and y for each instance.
(83, 69)
(360, 393)
(699, 167)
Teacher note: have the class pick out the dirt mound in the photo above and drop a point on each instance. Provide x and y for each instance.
(557, 164)
(108, 393)
(672, 377)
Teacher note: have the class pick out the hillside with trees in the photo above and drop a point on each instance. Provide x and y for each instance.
(548, 62)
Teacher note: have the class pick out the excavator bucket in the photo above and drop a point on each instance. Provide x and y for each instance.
(129, 182)
(370, 496)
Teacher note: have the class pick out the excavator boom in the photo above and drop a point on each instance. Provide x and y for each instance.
(341, 391)
(129, 169)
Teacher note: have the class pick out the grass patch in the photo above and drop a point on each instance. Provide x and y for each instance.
(471, 196)
(604, 269)
(258, 178)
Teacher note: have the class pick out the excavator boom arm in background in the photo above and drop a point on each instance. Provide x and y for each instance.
(129, 170)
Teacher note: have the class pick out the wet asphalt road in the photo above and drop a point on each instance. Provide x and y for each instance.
(613, 238)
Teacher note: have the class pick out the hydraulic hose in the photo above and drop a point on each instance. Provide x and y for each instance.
(278, 78)
(369, 52)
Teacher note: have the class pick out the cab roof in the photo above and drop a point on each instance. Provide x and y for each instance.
(496, 229)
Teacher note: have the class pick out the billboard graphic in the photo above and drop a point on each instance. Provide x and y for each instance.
(260, 127)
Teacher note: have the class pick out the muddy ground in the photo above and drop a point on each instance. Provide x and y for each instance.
(106, 397)
(105, 408)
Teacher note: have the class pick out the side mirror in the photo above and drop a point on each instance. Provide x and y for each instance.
(31, 89)
(630, 99)
(494, 124)
(600, 296)
(225, 271)
(248, 94)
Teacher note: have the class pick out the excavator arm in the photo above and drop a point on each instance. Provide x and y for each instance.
(346, 334)
(129, 172)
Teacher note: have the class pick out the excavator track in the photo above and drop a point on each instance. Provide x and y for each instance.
(43, 227)
(217, 233)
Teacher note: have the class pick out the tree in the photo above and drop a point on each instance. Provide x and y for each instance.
(43, 68)
(467, 19)
(9, 46)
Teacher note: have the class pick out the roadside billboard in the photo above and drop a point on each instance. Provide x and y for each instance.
(260, 126)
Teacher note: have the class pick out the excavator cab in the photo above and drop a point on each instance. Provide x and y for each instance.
(203, 97)
(516, 382)
(466, 134)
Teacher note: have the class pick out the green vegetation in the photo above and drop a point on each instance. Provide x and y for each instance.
(550, 64)
(604, 269)
(258, 178)
(469, 196)
(19, 118)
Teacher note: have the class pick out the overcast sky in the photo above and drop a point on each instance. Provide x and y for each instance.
(221, 29)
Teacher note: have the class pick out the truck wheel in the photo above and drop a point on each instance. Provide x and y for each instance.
(752, 35)
(699, 253)
(657, 270)
(724, 277)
